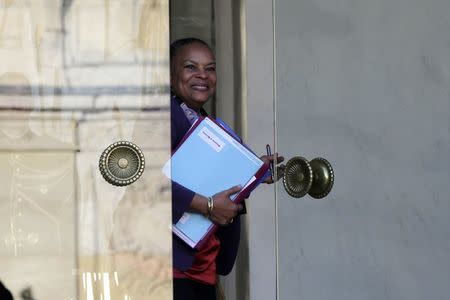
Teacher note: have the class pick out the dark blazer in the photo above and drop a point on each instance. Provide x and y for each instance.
(183, 255)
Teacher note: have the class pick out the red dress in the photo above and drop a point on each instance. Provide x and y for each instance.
(204, 267)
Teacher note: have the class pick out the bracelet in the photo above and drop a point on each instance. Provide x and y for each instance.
(210, 205)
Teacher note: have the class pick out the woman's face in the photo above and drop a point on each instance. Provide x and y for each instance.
(193, 74)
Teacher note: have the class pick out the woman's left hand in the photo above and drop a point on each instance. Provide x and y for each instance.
(271, 159)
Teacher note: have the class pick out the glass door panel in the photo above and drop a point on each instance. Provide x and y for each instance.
(365, 85)
(75, 78)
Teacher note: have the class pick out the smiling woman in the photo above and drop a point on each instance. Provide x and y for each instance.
(193, 82)
(193, 72)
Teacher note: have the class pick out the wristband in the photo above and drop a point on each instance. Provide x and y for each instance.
(210, 205)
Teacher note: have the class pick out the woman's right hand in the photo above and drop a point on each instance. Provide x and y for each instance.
(224, 209)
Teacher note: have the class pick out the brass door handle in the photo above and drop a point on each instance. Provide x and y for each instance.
(122, 163)
(301, 177)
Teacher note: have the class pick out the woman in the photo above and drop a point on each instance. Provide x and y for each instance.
(193, 82)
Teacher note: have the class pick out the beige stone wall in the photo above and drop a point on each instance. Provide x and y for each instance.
(73, 80)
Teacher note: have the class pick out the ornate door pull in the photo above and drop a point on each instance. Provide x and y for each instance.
(122, 163)
(301, 177)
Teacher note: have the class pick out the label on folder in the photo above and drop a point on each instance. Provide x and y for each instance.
(211, 139)
(209, 161)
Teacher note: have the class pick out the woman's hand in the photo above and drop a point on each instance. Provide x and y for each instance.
(271, 159)
(224, 209)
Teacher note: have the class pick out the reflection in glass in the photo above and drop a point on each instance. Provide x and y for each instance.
(76, 76)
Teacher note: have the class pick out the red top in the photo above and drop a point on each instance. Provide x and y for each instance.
(204, 267)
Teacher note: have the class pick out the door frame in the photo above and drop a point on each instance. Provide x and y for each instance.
(252, 114)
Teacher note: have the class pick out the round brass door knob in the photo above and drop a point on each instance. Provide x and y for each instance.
(122, 163)
(301, 177)
(323, 178)
(298, 177)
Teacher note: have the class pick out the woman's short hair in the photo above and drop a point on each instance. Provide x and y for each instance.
(180, 43)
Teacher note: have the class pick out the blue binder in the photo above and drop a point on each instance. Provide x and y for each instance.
(210, 160)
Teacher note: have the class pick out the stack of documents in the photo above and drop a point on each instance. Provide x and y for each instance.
(210, 160)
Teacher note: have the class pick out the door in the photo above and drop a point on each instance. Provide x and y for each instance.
(366, 85)
(75, 78)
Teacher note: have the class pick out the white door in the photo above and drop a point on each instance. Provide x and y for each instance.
(76, 77)
(366, 85)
